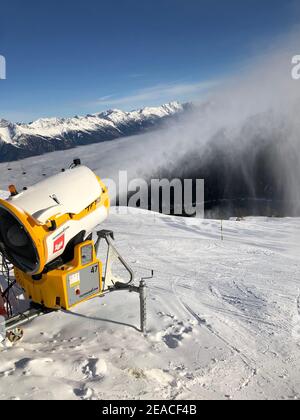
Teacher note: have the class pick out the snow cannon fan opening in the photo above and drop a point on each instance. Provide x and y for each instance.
(46, 234)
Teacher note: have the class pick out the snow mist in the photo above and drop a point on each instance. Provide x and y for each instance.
(243, 139)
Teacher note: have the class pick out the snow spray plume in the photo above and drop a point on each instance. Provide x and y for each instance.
(244, 139)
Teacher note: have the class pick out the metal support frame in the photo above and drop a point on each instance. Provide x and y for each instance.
(29, 315)
(141, 289)
(36, 310)
(112, 252)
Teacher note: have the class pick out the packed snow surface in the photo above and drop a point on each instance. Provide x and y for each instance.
(223, 319)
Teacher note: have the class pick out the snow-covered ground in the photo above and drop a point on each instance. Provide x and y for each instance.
(223, 319)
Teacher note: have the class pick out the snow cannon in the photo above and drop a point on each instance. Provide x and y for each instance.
(46, 234)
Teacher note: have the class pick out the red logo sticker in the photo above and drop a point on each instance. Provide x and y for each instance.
(59, 243)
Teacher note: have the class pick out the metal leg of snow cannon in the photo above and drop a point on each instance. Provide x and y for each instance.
(112, 283)
(29, 315)
(12, 325)
(112, 254)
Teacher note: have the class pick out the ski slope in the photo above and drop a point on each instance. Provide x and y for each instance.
(223, 319)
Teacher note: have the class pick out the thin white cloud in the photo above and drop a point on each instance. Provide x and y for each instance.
(158, 93)
(105, 98)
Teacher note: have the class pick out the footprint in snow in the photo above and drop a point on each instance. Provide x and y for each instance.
(85, 393)
(176, 333)
(92, 367)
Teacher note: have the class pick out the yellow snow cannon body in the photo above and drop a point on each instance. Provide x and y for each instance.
(46, 234)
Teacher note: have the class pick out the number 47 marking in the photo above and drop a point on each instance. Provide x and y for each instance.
(94, 269)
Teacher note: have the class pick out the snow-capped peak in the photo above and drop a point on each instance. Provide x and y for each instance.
(46, 122)
(91, 128)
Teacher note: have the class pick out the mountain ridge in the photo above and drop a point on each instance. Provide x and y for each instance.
(21, 140)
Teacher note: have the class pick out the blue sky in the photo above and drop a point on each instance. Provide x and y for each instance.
(77, 57)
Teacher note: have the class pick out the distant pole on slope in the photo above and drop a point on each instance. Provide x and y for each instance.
(222, 237)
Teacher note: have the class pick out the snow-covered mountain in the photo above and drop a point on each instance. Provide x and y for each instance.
(49, 134)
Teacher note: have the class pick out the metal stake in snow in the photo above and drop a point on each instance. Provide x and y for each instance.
(143, 308)
(141, 290)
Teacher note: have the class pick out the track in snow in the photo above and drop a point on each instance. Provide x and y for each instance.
(224, 319)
